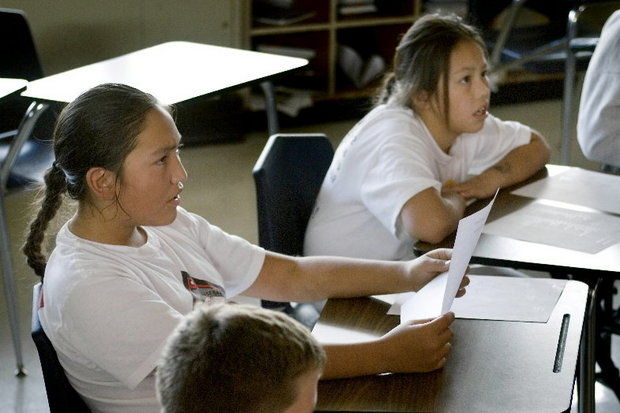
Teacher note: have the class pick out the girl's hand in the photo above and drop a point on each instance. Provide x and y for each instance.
(426, 267)
(418, 346)
(480, 186)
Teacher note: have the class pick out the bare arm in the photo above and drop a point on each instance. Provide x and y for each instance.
(430, 216)
(418, 346)
(518, 165)
(285, 278)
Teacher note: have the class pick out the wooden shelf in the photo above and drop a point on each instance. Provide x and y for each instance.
(325, 31)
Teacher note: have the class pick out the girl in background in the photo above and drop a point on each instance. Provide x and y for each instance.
(406, 170)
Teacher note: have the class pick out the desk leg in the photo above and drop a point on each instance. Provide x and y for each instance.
(587, 359)
(606, 327)
(270, 107)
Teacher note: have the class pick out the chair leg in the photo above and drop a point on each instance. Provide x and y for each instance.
(270, 107)
(9, 290)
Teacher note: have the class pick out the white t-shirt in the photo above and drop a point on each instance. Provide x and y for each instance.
(598, 126)
(387, 158)
(109, 309)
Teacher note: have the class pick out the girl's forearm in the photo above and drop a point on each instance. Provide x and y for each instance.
(350, 360)
(522, 162)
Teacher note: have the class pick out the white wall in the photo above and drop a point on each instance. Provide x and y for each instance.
(72, 33)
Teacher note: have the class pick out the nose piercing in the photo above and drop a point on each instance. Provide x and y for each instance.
(180, 185)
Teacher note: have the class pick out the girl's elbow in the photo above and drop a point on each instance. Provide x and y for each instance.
(434, 233)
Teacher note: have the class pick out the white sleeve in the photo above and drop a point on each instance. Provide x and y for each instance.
(399, 172)
(120, 325)
(496, 139)
(598, 126)
(237, 260)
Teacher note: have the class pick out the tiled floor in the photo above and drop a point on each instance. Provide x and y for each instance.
(220, 188)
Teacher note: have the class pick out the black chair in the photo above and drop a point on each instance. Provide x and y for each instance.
(61, 396)
(288, 176)
(19, 60)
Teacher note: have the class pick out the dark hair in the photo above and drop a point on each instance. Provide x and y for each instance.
(422, 58)
(98, 129)
(235, 358)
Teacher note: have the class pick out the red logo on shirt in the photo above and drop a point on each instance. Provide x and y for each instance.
(200, 288)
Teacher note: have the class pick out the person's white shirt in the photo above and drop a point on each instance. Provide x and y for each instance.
(598, 124)
(108, 309)
(386, 159)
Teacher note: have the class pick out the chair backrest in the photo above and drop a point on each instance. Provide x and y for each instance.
(19, 55)
(19, 60)
(288, 176)
(61, 396)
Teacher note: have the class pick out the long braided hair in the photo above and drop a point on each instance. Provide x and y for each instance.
(98, 129)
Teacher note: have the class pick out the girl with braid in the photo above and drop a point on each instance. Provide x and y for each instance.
(131, 262)
(406, 170)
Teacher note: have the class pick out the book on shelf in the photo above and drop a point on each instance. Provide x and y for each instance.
(357, 9)
(303, 52)
(361, 72)
(280, 16)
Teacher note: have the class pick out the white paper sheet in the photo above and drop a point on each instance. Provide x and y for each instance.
(584, 231)
(500, 298)
(437, 296)
(578, 186)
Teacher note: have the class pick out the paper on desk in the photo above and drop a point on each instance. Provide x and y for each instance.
(502, 298)
(436, 297)
(584, 231)
(578, 186)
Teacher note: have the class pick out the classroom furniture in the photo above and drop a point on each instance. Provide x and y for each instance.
(494, 366)
(599, 269)
(316, 29)
(584, 27)
(61, 396)
(20, 61)
(288, 175)
(174, 72)
(23, 160)
(536, 48)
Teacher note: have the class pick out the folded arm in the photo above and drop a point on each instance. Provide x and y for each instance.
(518, 165)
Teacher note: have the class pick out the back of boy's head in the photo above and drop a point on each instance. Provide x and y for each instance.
(235, 358)
(422, 58)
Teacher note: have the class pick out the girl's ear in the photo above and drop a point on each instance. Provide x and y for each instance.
(102, 183)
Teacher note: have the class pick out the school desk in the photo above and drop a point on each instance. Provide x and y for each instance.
(494, 365)
(174, 72)
(601, 268)
(9, 86)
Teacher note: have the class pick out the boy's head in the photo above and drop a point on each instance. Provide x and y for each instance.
(239, 358)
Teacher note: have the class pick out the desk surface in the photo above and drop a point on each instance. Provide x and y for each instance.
(10, 85)
(494, 365)
(507, 252)
(173, 72)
